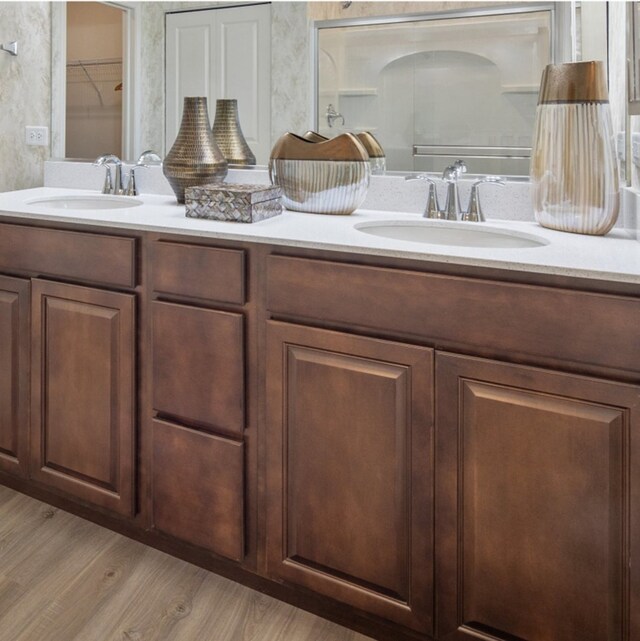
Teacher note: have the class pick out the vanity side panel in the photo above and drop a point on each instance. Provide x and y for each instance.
(14, 375)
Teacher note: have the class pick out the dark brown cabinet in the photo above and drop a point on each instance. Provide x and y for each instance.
(198, 476)
(198, 366)
(419, 453)
(349, 470)
(198, 488)
(536, 506)
(14, 375)
(82, 393)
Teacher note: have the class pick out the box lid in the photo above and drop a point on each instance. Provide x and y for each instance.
(246, 193)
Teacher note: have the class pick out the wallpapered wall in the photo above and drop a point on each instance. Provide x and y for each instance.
(25, 91)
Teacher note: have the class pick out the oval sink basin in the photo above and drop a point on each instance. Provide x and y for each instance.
(86, 202)
(451, 233)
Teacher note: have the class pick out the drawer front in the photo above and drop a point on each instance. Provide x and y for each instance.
(198, 488)
(198, 366)
(505, 318)
(94, 258)
(194, 271)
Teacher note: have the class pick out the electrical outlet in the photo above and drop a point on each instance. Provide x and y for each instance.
(37, 136)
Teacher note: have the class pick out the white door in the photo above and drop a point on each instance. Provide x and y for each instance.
(222, 53)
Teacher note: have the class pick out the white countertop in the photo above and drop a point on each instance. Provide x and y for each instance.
(615, 257)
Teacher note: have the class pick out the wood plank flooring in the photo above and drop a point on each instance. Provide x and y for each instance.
(65, 579)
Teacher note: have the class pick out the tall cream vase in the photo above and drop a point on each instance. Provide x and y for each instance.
(574, 174)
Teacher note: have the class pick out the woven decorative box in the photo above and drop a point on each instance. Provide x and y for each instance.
(238, 203)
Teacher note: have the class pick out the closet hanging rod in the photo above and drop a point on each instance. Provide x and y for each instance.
(11, 48)
(94, 63)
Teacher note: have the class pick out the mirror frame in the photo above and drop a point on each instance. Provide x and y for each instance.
(130, 76)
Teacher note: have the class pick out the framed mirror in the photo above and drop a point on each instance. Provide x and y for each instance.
(293, 79)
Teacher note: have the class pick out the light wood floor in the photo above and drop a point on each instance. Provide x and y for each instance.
(65, 579)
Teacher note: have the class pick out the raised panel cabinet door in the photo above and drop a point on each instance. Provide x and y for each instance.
(536, 503)
(349, 470)
(83, 391)
(198, 488)
(14, 375)
(198, 367)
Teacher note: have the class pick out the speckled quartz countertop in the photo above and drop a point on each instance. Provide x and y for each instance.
(615, 257)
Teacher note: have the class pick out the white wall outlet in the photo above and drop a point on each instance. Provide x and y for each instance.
(37, 136)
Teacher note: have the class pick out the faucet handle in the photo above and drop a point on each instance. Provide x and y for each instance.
(132, 189)
(432, 208)
(149, 157)
(474, 211)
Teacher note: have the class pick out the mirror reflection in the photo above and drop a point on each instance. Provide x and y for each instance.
(94, 79)
(435, 89)
(427, 97)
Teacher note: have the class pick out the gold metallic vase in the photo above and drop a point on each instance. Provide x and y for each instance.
(194, 159)
(228, 134)
(377, 157)
(330, 177)
(574, 173)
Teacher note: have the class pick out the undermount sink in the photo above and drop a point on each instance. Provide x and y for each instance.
(454, 234)
(86, 202)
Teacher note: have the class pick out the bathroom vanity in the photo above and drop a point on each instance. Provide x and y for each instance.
(415, 444)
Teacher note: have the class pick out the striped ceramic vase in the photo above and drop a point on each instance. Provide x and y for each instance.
(574, 173)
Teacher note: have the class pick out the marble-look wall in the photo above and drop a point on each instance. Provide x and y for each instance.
(25, 91)
(150, 133)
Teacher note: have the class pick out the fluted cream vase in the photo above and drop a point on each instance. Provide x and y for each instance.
(574, 173)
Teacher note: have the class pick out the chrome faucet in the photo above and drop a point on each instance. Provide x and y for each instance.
(147, 158)
(112, 185)
(452, 209)
(332, 115)
(450, 175)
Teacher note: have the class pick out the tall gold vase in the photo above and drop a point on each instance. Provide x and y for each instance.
(194, 159)
(574, 173)
(228, 134)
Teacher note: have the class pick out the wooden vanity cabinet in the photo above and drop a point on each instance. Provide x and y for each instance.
(349, 470)
(536, 471)
(14, 375)
(83, 393)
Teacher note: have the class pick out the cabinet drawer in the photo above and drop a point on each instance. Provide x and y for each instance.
(507, 319)
(194, 271)
(93, 258)
(198, 366)
(198, 488)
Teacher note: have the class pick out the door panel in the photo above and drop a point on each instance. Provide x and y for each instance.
(536, 464)
(14, 375)
(83, 393)
(349, 465)
(189, 70)
(224, 53)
